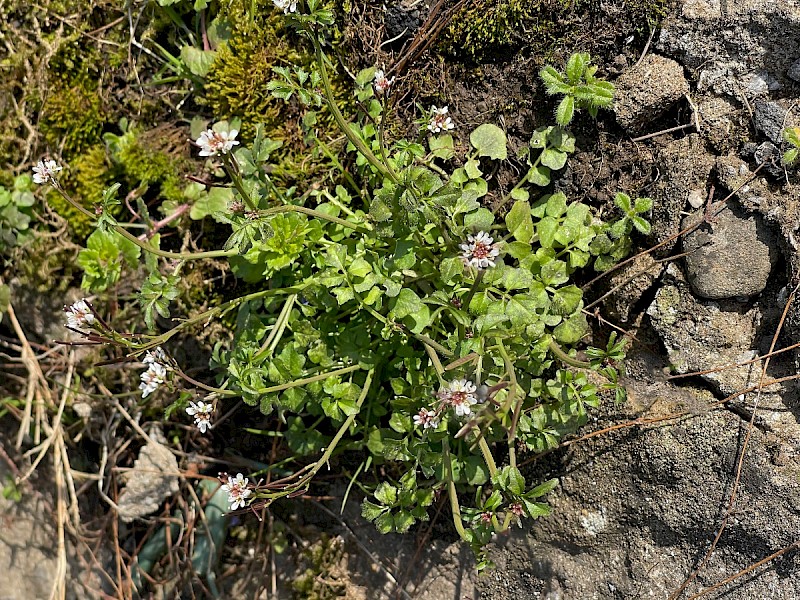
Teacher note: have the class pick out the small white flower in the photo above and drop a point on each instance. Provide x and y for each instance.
(287, 6)
(217, 142)
(427, 419)
(79, 315)
(440, 121)
(201, 413)
(237, 491)
(152, 378)
(460, 394)
(45, 170)
(480, 251)
(157, 356)
(381, 83)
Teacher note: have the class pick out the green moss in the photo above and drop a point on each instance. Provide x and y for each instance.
(236, 86)
(144, 161)
(84, 181)
(72, 116)
(484, 27)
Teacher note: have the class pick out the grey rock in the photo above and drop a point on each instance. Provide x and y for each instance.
(700, 335)
(769, 119)
(731, 44)
(636, 508)
(769, 155)
(647, 91)
(685, 166)
(734, 257)
(153, 479)
(723, 124)
(794, 71)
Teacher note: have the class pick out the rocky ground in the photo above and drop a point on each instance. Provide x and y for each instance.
(638, 508)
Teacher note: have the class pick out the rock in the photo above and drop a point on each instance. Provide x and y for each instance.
(634, 280)
(700, 335)
(723, 124)
(732, 258)
(769, 155)
(153, 479)
(646, 92)
(769, 118)
(685, 166)
(734, 45)
(401, 22)
(794, 71)
(658, 495)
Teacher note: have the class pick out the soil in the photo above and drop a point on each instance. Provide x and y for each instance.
(639, 506)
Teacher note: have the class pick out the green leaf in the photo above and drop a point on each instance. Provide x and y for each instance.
(450, 268)
(539, 175)
(386, 494)
(197, 61)
(520, 222)
(643, 205)
(572, 329)
(442, 146)
(385, 523)
(546, 229)
(565, 111)
(566, 300)
(472, 169)
(490, 141)
(403, 521)
(371, 511)
(480, 220)
(215, 201)
(509, 479)
(576, 65)
(542, 489)
(553, 159)
(623, 201)
(641, 225)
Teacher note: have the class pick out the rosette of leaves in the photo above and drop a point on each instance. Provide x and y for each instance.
(579, 86)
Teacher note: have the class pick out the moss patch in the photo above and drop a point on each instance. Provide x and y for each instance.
(486, 27)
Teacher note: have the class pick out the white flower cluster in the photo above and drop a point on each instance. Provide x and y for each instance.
(479, 251)
(201, 411)
(287, 6)
(460, 395)
(212, 143)
(156, 373)
(79, 315)
(45, 171)
(427, 419)
(440, 121)
(237, 491)
(381, 83)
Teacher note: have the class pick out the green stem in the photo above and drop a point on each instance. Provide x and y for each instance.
(566, 358)
(451, 492)
(143, 245)
(366, 228)
(339, 118)
(342, 430)
(512, 398)
(300, 382)
(274, 337)
(520, 183)
(487, 454)
(231, 168)
(218, 310)
(472, 290)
